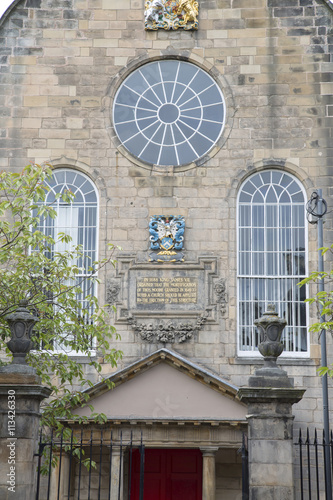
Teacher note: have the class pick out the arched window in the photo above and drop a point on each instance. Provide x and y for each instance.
(272, 258)
(77, 219)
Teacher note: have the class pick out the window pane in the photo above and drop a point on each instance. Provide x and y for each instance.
(271, 196)
(245, 239)
(245, 288)
(285, 239)
(258, 239)
(258, 215)
(244, 216)
(244, 197)
(266, 177)
(258, 263)
(258, 197)
(245, 262)
(285, 216)
(271, 216)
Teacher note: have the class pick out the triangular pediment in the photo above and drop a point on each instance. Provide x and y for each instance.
(165, 386)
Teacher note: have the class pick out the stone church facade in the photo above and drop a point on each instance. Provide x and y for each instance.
(221, 130)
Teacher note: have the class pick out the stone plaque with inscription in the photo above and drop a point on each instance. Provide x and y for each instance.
(166, 304)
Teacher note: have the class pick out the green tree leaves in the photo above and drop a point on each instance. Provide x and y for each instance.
(323, 300)
(50, 280)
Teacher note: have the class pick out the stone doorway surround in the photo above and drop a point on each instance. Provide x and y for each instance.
(172, 403)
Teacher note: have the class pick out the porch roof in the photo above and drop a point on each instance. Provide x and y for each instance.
(165, 386)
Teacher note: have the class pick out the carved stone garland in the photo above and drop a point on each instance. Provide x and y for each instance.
(221, 294)
(168, 332)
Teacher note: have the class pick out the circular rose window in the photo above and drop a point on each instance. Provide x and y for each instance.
(169, 112)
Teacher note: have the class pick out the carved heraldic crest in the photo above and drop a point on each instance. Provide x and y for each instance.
(166, 238)
(171, 14)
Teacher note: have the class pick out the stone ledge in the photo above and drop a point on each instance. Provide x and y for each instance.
(270, 394)
(26, 390)
(19, 379)
(282, 361)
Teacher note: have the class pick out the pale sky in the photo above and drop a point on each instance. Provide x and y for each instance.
(4, 4)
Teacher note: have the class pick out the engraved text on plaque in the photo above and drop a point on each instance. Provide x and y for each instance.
(158, 290)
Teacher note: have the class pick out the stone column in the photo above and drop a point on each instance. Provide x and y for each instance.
(208, 473)
(117, 473)
(60, 478)
(20, 397)
(269, 397)
(270, 441)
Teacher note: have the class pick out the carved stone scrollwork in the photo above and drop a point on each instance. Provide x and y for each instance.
(221, 294)
(168, 332)
(112, 292)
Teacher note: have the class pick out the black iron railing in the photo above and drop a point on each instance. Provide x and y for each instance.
(243, 450)
(100, 463)
(245, 470)
(312, 465)
(83, 465)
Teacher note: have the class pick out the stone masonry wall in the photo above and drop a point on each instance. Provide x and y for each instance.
(61, 64)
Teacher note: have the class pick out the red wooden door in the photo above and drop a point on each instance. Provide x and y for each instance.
(169, 475)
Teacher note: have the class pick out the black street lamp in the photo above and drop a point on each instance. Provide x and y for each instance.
(317, 208)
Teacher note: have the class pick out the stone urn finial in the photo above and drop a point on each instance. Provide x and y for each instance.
(270, 328)
(21, 323)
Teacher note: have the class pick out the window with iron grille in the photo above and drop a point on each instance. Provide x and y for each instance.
(272, 258)
(78, 220)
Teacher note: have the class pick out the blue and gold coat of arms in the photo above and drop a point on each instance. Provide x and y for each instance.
(166, 238)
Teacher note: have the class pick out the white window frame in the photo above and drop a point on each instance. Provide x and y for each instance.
(253, 352)
(141, 116)
(67, 230)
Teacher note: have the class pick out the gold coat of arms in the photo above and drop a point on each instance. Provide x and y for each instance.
(171, 14)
